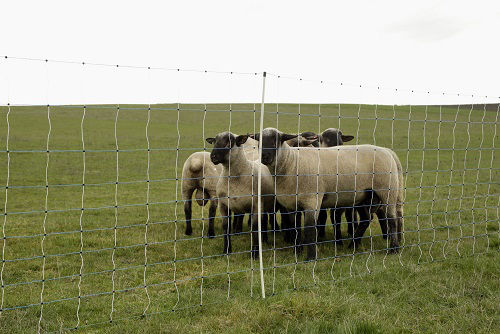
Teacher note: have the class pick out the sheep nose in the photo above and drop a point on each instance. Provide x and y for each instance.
(214, 159)
(266, 159)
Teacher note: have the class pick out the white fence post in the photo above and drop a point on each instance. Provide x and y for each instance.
(259, 189)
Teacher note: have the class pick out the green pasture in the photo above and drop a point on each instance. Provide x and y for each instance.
(444, 280)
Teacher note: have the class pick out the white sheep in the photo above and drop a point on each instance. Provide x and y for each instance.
(304, 139)
(237, 186)
(340, 176)
(372, 205)
(333, 137)
(201, 175)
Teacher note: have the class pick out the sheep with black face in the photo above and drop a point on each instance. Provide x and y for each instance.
(329, 138)
(333, 137)
(339, 176)
(237, 186)
(200, 177)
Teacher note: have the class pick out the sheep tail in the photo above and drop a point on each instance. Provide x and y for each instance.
(196, 165)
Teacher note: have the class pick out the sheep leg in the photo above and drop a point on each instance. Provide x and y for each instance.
(336, 218)
(382, 219)
(238, 223)
(364, 222)
(310, 234)
(188, 210)
(249, 222)
(265, 218)
(322, 223)
(273, 217)
(212, 212)
(392, 232)
(285, 225)
(226, 227)
(399, 213)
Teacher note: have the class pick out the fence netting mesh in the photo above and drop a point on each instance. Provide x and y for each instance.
(112, 203)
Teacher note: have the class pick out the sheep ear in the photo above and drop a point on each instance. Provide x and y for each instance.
(255, 136)
(285, 136)
(241, 139)
(210, 140)
(347, 138)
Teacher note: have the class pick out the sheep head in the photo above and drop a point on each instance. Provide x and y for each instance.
(272, 139)
(333, 137)
(223, 143)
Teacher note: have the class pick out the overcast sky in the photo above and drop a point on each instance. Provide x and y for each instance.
(437, 46)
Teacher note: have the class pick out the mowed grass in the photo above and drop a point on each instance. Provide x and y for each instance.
(445, 278)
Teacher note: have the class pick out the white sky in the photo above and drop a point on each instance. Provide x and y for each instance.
(441, 46)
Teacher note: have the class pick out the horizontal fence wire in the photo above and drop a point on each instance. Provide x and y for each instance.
(234, 272)
(236, 215)
(118, 235)
(229, 176)
(240, 196)
(221, 255)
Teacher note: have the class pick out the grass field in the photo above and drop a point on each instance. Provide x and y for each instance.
(446, 279)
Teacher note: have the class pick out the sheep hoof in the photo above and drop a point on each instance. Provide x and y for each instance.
(228, 250)
(394, 250)
(351, 245)
(310, 258)
(384, 236)
(339, 243)
(189, 230)
(211, 234)
(255, 253)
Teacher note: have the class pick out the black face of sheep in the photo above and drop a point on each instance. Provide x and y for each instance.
(333, 137)
(223, 143)
(272, 140)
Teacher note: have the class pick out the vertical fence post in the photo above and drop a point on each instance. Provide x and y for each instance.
(259, 189)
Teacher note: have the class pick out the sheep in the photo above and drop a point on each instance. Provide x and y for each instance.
(238, 184)
(333, 137)
(329, 138)
(341, 176)
(201, 175)
(303, 140)
(380, 211)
